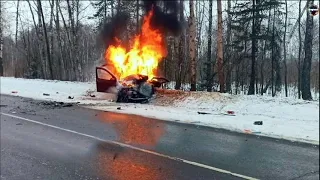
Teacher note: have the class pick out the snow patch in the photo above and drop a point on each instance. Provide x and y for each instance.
(282, 117)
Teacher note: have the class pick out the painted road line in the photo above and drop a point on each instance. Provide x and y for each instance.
(136, 148)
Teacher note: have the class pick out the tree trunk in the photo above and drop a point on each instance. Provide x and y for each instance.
(181, 50)
(54, 75)
(220, 48)
(228, 51)
(1, 40)
(137, 18)
(285, 51)
(192, 47)
(273, 55)
(306, 92)
(209, 61)
(253, 52)
(118, 6)
(112, 12)
(46, 40)
(300, 49)
(61, 57)
(17, 23)
(42, 53)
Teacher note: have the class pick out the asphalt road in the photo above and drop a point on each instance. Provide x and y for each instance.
(42, 140)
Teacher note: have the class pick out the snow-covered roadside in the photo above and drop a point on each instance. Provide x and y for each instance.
(282, 117)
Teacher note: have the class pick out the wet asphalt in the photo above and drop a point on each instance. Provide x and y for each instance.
(36, 151)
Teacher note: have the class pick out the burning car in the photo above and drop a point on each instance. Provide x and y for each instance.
(134, 62)
(133, 88)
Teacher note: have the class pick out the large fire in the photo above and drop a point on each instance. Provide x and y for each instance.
(146, 51)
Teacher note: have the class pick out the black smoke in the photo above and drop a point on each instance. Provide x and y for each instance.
(114, 28)
(165, 18)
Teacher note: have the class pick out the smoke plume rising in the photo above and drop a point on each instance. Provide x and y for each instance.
(164, 18)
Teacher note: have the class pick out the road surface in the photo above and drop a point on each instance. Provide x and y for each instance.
(41, 140)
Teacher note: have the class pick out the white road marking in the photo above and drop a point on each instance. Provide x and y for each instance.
(136, 148)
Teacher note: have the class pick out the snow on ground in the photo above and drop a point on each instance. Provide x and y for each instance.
(286, 118)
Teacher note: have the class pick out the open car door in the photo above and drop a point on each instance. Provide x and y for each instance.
(104, 79)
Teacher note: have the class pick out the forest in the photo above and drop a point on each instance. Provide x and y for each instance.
(268, 47)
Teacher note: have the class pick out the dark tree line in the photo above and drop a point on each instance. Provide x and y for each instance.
(251, 47)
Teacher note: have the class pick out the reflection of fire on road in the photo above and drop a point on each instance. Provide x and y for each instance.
(139, 131)
(117, 163)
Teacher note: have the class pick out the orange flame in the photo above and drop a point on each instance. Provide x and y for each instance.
(148, 49)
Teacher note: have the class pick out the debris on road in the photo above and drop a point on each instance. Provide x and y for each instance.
(69, 97)
(119, 108)
(248, 131)
(67, 105)
(92, 95)
(258, 123)
(203, 112)
(45, 94)
(56, 104)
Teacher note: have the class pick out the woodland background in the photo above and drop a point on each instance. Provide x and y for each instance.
(266, 47)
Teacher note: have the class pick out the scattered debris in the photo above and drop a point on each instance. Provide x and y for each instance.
(92, 95)
(56, 104)
(247, 131)
(69, 97)
(115, 156)
(203, 113)
(19, 124)
(258, 123)
(119, 108)
(14, 92)
(67, 105)
(230, 112)
(45, 94)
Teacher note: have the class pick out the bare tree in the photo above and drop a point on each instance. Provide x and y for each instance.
(181, 56)
(285, 51)
(253, 50)
(228, 50)
(192, 46)
(220, 48)
(306, 92)
(209, 63)
(46, 39)
(300, 49)
(1, 38)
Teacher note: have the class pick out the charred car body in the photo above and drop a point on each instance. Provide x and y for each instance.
(134, 88)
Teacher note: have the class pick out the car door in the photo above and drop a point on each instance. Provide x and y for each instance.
(104, 79)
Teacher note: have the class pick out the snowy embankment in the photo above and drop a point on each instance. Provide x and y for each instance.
(286, 118)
